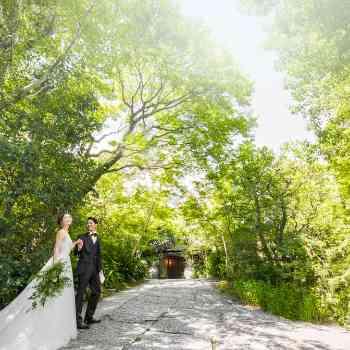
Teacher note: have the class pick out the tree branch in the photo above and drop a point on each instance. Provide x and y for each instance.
(37, 84)
(98, 154)
(140, 167)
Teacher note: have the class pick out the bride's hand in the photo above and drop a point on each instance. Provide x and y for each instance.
(79, 243)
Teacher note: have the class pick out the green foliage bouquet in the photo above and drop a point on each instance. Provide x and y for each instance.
(50, 283)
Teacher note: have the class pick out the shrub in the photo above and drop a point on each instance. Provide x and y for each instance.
(289, 300)
(120, 264)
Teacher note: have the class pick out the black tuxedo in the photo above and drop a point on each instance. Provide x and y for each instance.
(89, 266)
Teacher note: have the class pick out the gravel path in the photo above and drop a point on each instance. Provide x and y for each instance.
(192, 314)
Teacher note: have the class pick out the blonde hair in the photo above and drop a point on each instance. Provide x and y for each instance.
(60, 218)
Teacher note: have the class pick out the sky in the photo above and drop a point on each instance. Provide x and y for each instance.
(244, 36)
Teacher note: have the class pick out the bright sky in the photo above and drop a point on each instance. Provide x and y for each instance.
(244, 36)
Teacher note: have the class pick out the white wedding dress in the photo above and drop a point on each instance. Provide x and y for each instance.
(43, 328)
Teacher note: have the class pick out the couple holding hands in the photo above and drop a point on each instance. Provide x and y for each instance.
(55, 323)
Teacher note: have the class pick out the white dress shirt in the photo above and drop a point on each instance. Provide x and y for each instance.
(94, 238)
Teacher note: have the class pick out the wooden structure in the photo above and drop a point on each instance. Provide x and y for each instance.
(172, 264)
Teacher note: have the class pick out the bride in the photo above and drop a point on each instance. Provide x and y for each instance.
(45, 327)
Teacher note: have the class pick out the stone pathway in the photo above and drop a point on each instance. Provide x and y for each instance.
(192, 314)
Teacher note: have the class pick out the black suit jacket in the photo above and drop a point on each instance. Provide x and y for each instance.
(86, 256)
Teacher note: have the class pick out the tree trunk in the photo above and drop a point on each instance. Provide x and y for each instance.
(259, 229)
(225, 249)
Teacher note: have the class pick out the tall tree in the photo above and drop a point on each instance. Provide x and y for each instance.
(90, 88)
(312, 41)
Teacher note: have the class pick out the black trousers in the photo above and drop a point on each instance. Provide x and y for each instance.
(88, 277)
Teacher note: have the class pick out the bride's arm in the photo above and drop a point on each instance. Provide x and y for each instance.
(56, 250)
(77, 246)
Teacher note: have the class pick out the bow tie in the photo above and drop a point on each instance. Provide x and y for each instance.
(93, 234)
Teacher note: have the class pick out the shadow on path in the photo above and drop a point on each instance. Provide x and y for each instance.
(192, 314)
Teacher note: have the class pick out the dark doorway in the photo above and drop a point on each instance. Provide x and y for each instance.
(175, 266)
(172, 265)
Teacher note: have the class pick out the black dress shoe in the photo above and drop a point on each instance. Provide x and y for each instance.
(92, 320)
(82, 326)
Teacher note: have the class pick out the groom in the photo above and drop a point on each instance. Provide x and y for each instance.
(88, 269)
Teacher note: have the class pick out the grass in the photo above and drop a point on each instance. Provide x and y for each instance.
(285, 300)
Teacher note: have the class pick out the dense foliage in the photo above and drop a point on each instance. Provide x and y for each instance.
(311, 38)
(277, 224)
(90, 88)
(130, 112)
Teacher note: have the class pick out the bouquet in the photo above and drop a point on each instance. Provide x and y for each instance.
(49, 284)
